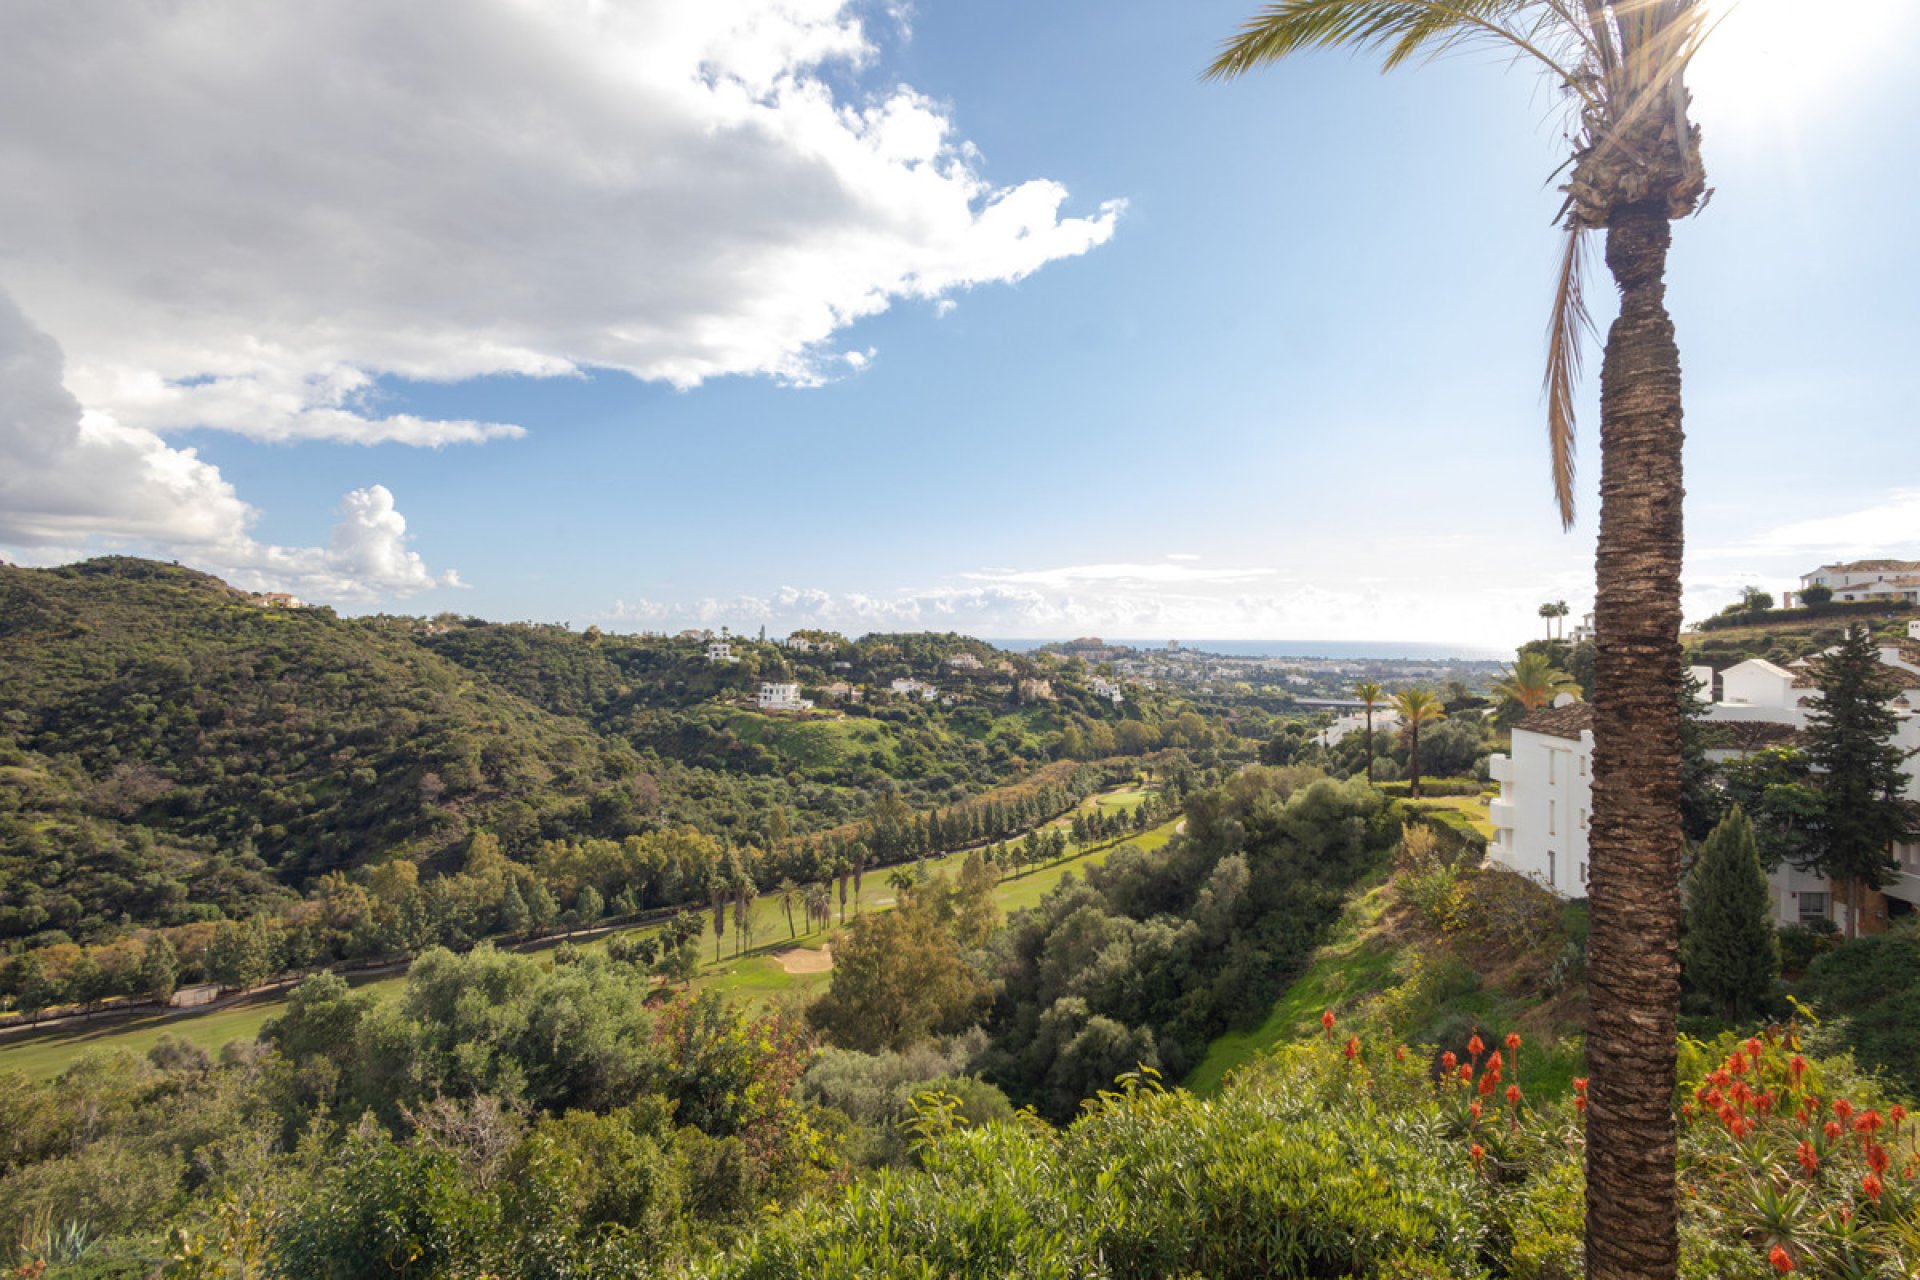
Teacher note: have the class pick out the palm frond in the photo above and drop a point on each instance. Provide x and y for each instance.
(1567, 332)
(1400, 28)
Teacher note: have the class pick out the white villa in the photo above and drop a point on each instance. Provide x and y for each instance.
(776, 696)
(1864, 581)
(1105, 688)
(965, 662)
(908, 687)
(1384, 718)
(720, 651)
(1541, 816)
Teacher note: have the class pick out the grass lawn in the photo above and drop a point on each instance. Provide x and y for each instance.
(1353, 963)
(1473, 808)
(45, 1054)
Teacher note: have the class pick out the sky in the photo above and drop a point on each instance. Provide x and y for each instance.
(986, 316)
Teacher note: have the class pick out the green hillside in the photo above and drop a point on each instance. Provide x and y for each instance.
(168, 745)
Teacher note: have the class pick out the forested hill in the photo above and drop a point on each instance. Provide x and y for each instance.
(174, 749)
(166, 741)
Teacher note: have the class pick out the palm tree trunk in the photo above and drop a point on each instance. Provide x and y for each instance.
(1369, 744)
(1633, 967)
(1413, 761)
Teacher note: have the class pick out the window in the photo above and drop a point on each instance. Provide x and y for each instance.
(1583, 873)
(1553, 767)
(1553, 874)
(1813, 907)
(1583, 766)
(1553, 817)
(1583, 819)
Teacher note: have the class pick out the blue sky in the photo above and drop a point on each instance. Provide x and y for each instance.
(1268, 368)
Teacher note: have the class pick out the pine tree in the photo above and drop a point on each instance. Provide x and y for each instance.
(159, 968)
(588, 907)
(542, 911)
(1859, 772)
(1729, 952)
(514, 914)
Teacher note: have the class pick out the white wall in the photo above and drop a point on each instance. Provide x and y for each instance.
(1757, 683)
(1546, 800)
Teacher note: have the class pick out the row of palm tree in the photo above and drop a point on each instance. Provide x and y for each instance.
(1635, 167)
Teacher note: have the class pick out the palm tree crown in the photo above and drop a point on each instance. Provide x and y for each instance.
(1620, 65)
(1533, 682)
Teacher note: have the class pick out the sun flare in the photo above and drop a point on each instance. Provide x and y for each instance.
(1769, 62)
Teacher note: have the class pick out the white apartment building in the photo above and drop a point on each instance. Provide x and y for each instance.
(778, 696)
(1545, 805)
(1864, 580)
(720, 651)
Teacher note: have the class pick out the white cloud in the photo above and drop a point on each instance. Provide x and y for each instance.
(1890, 526)
(1120, 600)
(71, 481)
(236, 215)
(1120, 574)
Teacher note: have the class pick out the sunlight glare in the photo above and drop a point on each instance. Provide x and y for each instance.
(1773, 63)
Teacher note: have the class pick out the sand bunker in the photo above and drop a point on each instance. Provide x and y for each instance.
(801, 960)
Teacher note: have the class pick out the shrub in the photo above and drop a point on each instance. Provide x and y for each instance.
(1502, 907)
(1351, 1158)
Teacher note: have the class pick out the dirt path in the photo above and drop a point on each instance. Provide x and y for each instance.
(804, 960)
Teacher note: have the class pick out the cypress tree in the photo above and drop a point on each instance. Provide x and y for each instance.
(1859, 771)
(1729, 952)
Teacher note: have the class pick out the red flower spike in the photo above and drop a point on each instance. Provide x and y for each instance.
(1897, 1114)
(1474, 1111)
(1872, 1185)
(1753, 1050)
(1832, 1130)
(1486, 1086)
(1580, 1104)
(1737, 1065)
(1797, 1066)
(1843, 1109)
(1478, 1153)
(1513, 1095)
(1475, 1048)
(1400, 1053)
(1782, 1261)
(1868, 1121)
(1326, 1024)
(1353, 1048)
(1808, 1160)
(1513, 1042)
(1448, 1062)
(1466, 1072)
(1877, 1157)
(1495, 1061)
(1580, 1084)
